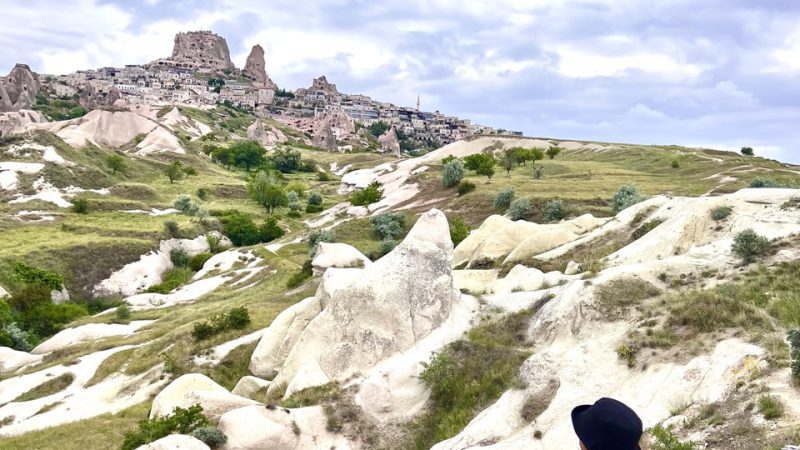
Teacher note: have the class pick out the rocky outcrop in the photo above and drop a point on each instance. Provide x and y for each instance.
(255, 68)
(18, 90)
(11, 359)
(323, 135)
(248, 386)
(265, 135)
(391, 305)
(90, 98)
(176, 442)
(337, 255)
(389, 143)
(201, 50)
(101, 127)
(194, 388)
(16, 121)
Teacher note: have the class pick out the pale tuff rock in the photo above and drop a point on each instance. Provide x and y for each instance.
(392, 304)
(195, 388)
(255, 67)
(476, 282)
(46, 153)
(323, 135)
(202, 50)
(160, 140)
(337, 255)
(18, 90)
(249, 386)
(13, 122)
(176, 442)
(11, 360)
(3, 292)
(501, 238)
(520, 278)
(87, 333)
(9, 173)
(389, 143)
(176, 121)
(265, 135)
(101, 127)
(90, 98)
(275, 428)
(572, 268)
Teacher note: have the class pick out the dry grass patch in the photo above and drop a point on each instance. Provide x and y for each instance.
(47, 388)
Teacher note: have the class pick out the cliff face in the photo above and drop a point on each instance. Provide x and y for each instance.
(255, 67)
(201, 49)
(18, 90)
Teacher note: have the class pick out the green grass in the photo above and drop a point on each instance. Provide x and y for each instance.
(616, 296)
(770, 407)
(47, 388)
(172, 279)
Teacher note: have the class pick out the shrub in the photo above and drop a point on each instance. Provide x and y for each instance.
(171, 280)
(317, 236)
(269, 230)
(116, 163)
(386, 245)
(235, 319)
(309, 166)
(178, 257)
(238, 318)
(465, 187)
(213, 240)
(80, 205)
(181, 421)
(314, 202)
(197, 261)
(628, 351)
(298, 187)
(554, 211)
(747, 245)
(770, 407)
(452, 173)
(33, 275)
(627, 195)
(305, 273)
(519, 208)
(616, 295)
(675, 164)
(286, 160)
(15, 337)
(202, 193)
(794, 343)
(705, 311)
(186, 205)
(721, 212)
(388, 225)
(240, 229)
(747, 151)
(293, 202)
(367, 196)
(324, 176)
(458, 230)
(211, 436)
(202, 331)
(171, 229)
(665, 440)
(503, 198)
(123, 313)
(764, 183)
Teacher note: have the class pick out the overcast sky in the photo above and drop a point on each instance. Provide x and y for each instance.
(715, 73)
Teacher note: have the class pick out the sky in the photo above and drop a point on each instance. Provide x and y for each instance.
(713, 73)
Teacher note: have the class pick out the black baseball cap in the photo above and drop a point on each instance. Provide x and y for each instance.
(607, 425)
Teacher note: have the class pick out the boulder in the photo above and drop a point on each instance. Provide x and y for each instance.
(274, 428)
(160, 140)
(520, 278)
(475, 282)
(395, 301)
(332, 280)
(176, 442)
(195, 388)
(573, 268)
(250, 385)
(336, 254)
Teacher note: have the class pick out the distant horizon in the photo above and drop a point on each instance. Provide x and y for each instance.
(720, 75)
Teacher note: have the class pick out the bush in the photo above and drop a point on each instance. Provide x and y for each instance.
(452, 173)
(675, 164)
(519, 208)
(171, 229)
(465, 187)
(305, 273)
(324, 176)
(794, 343)
(211, 436)
(186, 205)
(181, 421)
(171, 280)
(197, 261)
(240, 229)
(286, 160)
(33, 275)
(747, 245)
(367, 196)
(721, 212)
(123, 313)
(269, 230)
(389, 225)
(665, 440)
(178, 257)
(11, 335)
(764, 183)
(386, 245)
(314, 202)
(627, 195)
(554, 211)
(770, 407)
(503, 198)
(747, 151)
(616, 296)
(293, 202)
(202, 193)
(317, 236)
(80, 205)
(458, 230)
(235, 319)
(309, 166)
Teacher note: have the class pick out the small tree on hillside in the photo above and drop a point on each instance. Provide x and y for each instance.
(247, 154)
(266, 190)
(747, 245)
(627, 195)
(552, 152)
(224, 156)
(116, 163)
(174, 171)
(747, 151)
(503, 198)
(452, 173)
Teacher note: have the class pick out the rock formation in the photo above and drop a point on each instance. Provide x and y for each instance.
(18, 90)
(390, 306)
(322, 85)
(323, 135)
(264, 135)
(195, 388)
(16, 121)
(389, 142)
(201, 50)
(255, 68)
(90, 98)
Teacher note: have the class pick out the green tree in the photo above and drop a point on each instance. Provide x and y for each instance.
(747, 151)
(174, 171)
(314, 202)
(475, 161)
(377, 129)
(286, 161)
(247, 154)
(452, 173)
(486, 168)
(458, 230)
(116, 163)
(266, 190)
(367, 196)
(552, 152)
(240, 229)
(224, 156)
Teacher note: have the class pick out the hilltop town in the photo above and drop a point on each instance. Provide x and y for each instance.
(200, 74)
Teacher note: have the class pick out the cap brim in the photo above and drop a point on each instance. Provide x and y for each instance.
(579, 421)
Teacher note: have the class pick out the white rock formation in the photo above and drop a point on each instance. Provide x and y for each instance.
(176, 121)
(476, 282)
(335, 254)
(260, 428)
(392, 304)
(160, 140)
(250, 385)
(255, 67)
(13, 122)
(9, 173)
(195, 388)
(519, 278)
(265, 135)
(176, 442)
(389, 143)
(86, 333)
(11, 360)
(101, 127)
(18, 89)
